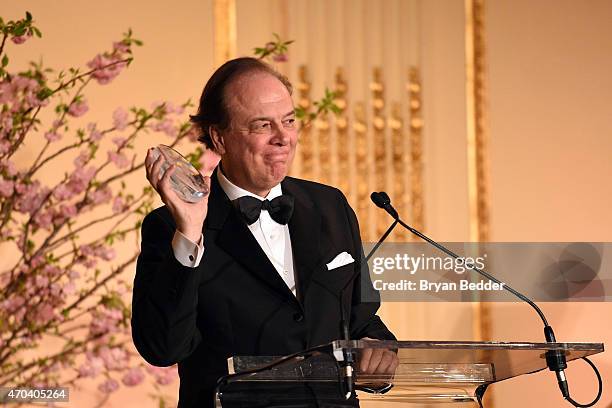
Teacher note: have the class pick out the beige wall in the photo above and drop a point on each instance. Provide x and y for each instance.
(551, 149)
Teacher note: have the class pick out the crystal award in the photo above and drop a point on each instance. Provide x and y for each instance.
(186, 180)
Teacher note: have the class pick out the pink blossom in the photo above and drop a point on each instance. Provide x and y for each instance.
(5, 233)
(10, 168)
(76, 184)
(78, 108)
(30, 197)
(280, 58)
(166, 126)
(44, 219)
(119, 141)
(103, 72)
(108, 386)
(19, 39)
(86, 250)
(101, 196)
(73, 275)
(55, 290)
(6, 187)
(92, 367)
(163, 375)
(41, 281)
(12, 304)
(68, 211)
(120, 119)
(69, 288)
(18, 315)
(133, 377)
(121, 47)
(62, 192)
(84, 174)
(119, 205)
(6, 121)
(37, 261)
(172, 108)
(89, 262)
(53, 271)
(114, 358)
(45, 314)
(120, 160)
(107, 254)
(94, 134)
(65, 212)
(105, 320)
(52, 369)
(52, 136)
(5, 145)
(81, 159)
(193, 134)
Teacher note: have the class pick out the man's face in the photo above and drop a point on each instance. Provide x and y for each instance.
(257, 148)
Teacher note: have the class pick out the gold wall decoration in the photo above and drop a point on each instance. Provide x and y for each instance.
(380, 143)
(325, 158)
(306, 142)
(477, 138)
(416, 150)
(342, 135)
(224, 30)
(399, 165)
(360, 128)
(478, 182)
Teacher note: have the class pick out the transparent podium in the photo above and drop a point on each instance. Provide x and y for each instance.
(429, 374)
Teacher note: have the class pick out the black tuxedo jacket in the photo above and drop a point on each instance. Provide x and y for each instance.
(235, 302)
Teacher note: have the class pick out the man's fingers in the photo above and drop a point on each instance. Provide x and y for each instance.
(149, 161)
(396, 363)
(164, 187)
(364, 361)
(373, 361)
(387, 363)
(155, 172)
(376, 360)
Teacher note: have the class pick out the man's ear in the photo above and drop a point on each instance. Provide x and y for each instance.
(217, 140)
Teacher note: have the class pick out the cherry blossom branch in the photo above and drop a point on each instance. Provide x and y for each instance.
(4, 37)
(61, 120)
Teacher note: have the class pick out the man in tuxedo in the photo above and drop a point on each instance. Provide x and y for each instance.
(257, 266)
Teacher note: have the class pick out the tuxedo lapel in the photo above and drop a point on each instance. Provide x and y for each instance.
(305, 231)
(236, 239)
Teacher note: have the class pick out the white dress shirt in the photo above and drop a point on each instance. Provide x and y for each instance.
(272, 237)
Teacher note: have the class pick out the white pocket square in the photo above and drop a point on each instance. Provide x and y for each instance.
(341, 259)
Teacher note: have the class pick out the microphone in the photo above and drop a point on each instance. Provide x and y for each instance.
(555, 360)
(349, 358)
(382, 200)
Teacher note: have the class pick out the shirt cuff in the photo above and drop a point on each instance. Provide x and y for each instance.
(187, 252)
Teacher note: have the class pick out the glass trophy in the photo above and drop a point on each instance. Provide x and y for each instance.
(186, 180)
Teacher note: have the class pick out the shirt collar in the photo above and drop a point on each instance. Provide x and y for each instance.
(234, 192)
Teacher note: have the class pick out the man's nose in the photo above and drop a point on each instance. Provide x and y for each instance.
(282, 136)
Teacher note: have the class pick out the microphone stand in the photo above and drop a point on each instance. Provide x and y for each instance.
(555, 359)
(349, 357)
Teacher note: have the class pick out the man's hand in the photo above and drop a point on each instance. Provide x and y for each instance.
(377, 361)
(189, 217)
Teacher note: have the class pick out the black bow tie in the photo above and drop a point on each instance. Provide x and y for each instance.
(280, 208)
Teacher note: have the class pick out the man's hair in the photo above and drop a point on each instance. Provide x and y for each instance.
(213, 109)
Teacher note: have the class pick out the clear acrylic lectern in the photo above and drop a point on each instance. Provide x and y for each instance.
(430, 373)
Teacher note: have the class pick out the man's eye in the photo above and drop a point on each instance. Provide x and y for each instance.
(289, 123)
(261, 126)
